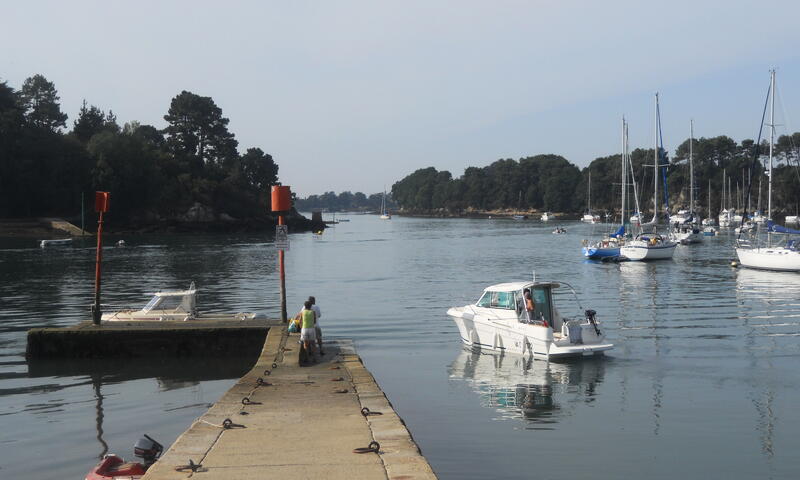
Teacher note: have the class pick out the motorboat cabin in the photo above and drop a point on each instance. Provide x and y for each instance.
(180, 305)
(500, 321)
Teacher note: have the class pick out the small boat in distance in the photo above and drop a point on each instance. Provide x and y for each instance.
(546, 216)
(62, 242)
(499, 321)
(384, 214)
(180, 305)
(559, 230)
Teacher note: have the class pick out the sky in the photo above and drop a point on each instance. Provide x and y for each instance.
(355, 95)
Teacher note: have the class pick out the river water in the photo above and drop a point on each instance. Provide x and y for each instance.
(704, 380)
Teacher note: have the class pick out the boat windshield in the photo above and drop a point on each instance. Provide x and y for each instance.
(151, 304)
(164, 303)
(503, 300)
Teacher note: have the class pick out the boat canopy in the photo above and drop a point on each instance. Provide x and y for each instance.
(620, 232)
(515, 286)
(775, 228)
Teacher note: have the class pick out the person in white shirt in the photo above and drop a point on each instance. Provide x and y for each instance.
(318, 313)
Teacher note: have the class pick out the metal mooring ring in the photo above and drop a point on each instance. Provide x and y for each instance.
(373, 447)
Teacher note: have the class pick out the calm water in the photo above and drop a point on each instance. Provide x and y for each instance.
(703, 382)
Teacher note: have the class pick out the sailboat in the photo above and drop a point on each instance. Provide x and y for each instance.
(588, 217)
(651, 245)
(384, 214)
(709, 221)
(687, 231)
(770, 256)
(608, 247)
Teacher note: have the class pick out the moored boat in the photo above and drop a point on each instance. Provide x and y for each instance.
(61, 242)
(112, 466)
(499, 321)
(179, 305)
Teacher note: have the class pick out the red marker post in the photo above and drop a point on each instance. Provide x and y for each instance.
(281, 203)
(101, 203)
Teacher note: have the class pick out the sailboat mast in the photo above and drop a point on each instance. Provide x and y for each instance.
(771, 141)
(624, 179)
(709, 198)
(691, 168)
(655, 162)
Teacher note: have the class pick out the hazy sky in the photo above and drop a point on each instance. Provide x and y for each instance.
(350, 95)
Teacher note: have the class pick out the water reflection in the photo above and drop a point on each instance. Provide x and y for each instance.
(538, 392)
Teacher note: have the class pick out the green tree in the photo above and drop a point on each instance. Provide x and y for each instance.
(40, 100)
(198, 132)
(259, 169)
(90, 122)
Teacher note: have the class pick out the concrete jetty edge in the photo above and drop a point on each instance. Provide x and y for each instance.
(288, 421)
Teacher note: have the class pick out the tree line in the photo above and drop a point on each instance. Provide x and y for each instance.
(552, 183)
(344, 202)
(153, 174)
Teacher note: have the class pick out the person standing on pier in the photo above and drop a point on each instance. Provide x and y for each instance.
(308, 332)
(318, 331)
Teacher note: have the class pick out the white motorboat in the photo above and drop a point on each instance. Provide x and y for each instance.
(180, 305)
(681, 217)
(791, 220)
(590, 218)
(767, 254)
(709, 231)
(61, 242)
(648, 246)
(635, 219)
(498, 321)
(546, 216)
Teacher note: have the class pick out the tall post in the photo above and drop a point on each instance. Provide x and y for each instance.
(282, 203)
(101, 201)
(284, 316)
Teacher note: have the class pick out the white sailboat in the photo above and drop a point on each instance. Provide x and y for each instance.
(649, 244)
(709, 221)
(687, 230)
(384, 214)
(772, 255)
(608, 246)
(589, 217)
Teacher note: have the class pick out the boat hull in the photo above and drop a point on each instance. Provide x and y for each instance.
(595, 253)
(769, 258)
(641, 253)
(522, 339)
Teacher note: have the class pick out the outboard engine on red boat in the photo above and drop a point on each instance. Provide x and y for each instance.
(112, 466)
(148, 450)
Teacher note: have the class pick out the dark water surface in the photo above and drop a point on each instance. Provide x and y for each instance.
(703, 382)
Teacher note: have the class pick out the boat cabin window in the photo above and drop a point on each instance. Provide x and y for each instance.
(497, 300)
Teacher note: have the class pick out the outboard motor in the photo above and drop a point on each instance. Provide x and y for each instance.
(590, 314)
(148, 450)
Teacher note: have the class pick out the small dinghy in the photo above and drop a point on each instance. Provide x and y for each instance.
(61, 242)
(113, 466)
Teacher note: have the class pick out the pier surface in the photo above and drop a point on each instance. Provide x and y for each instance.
(297, 422)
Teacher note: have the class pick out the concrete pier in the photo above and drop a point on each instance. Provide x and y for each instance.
(195, 338)
(282, 420)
